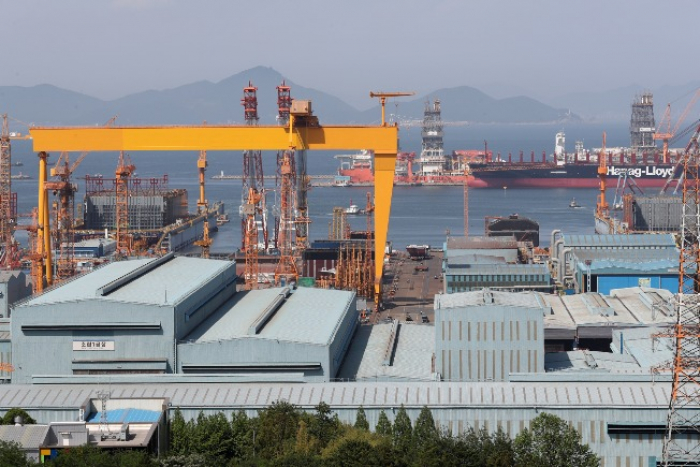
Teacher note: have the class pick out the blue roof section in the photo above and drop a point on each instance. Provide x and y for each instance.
(620, 241)
(639, 260)
(166, 284)
(126, 416)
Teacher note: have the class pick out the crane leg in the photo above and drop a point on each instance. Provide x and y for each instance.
(384, 166)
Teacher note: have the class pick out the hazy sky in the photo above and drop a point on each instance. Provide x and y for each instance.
(110, 48)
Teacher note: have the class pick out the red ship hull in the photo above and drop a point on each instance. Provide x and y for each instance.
(554, 183)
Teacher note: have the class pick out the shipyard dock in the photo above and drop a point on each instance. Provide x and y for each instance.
(410, 287)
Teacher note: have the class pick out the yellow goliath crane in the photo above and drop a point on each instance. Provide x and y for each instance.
(302, 132)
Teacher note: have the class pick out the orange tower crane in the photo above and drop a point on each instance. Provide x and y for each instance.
(284, 105)
(9, 257)
(203, 206)
(252, 267)
(681, 446)
(286, 267)
(253, 176)
(124, 170)
(602, 207)
(467, 172)
(64, 189)
(665, 124)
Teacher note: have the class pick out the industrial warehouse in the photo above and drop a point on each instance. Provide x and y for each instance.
(175, 328)
(486, 331)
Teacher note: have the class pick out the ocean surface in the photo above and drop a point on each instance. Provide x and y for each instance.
(420, 215)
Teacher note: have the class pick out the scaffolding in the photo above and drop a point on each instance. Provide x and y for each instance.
(339, 229)
(353, 269)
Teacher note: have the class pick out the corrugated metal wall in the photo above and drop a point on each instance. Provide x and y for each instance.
(591, 423)
(51, 352)
(488, 343)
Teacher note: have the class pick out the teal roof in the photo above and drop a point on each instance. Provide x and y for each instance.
(307, 315)
(165, 284)
(620, 241)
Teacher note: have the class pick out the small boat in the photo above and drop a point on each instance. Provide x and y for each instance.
(353, 209)
(574, 204)
(18, 163)
(221, 219)
(20, 176)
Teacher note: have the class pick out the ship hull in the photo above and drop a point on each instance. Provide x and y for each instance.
(569, 176)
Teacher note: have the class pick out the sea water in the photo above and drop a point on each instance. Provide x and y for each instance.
(421, 215)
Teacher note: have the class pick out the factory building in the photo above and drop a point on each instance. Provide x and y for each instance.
(486, 335)
(621, 418)
(274, 331)
(391, 351)
(177, 314)
(13, 287)
(601, 263)
(100, 421)
(499, 263)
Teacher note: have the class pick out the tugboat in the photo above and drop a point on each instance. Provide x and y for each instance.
(353, 209)
(573, 204)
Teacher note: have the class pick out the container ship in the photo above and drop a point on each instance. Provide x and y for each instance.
(642, 162)
(578, 170)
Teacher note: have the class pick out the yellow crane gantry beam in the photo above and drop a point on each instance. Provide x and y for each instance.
(382, 139)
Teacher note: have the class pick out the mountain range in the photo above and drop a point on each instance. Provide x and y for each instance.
(220, 102)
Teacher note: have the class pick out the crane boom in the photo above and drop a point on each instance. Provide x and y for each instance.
(382, 100)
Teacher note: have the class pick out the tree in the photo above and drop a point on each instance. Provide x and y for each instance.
(11, 455)
(324, 427)
(9, 417)
(403, 436)
(383, 425)
(425, 431)
(189, 460)
(277, 427)
(552, 442)
(179, 444)
(242, 429)
(425, 439)
(304, 443)
(361, 422)
(358, 447)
